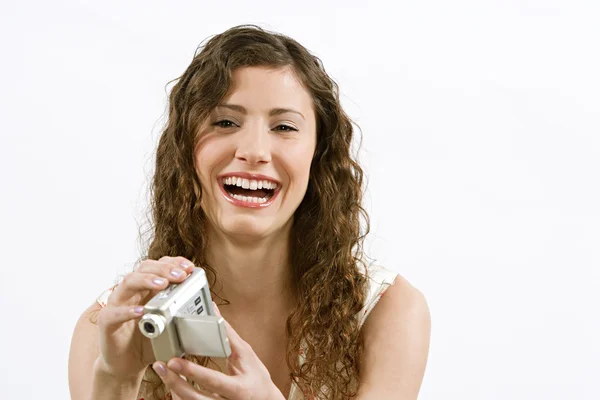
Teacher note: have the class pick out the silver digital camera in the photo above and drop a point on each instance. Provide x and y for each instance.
(181, 320)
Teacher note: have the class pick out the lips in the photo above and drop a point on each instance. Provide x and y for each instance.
(249, 190)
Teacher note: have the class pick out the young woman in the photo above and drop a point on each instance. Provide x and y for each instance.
(255, 183)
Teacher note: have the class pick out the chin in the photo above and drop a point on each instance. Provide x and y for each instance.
(247, 227)
(250, 227)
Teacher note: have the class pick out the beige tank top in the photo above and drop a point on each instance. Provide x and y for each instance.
(380, 279)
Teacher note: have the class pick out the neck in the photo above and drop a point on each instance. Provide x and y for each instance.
(254, 275)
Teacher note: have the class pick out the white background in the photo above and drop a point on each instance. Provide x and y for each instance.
(481, 124)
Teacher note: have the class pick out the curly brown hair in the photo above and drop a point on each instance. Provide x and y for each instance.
(329, 225)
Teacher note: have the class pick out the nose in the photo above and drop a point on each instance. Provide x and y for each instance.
(254, 145)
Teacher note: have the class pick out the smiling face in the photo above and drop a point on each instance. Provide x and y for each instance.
(254, 153)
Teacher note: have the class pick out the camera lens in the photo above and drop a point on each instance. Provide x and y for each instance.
(149, 327)
(152, 325)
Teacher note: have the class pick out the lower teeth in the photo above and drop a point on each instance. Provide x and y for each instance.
(248, 199)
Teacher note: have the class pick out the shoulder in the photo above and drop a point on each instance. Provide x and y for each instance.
(401, 302)
(396, 342)
(83, 353)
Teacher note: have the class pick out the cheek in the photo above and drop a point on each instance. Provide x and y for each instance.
(207, 157)
(300, 165)
(203, 171)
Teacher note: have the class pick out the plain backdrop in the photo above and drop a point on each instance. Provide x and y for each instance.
(481, 143)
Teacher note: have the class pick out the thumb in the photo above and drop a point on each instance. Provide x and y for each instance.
(216, 309)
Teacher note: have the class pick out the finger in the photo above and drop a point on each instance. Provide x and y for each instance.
(134, 283)
(169, 271)
(178, 261)
(216, 309)
(175, 382)
(179, 386)
(235, 341)
(235, 347)
(211, 380)
(239, 347)
(111, 318)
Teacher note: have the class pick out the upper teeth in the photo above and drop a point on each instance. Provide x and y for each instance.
(249, 183)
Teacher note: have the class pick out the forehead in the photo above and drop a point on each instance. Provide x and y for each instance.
(264, 88)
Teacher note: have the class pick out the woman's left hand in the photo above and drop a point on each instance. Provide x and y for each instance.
(248, 377)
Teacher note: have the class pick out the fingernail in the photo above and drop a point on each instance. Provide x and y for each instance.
(174, 365)
(176, 273)
(185, 264)
(160, 370)
(158, 281)
(138, 310)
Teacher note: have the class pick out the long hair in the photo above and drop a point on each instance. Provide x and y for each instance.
(329, 225)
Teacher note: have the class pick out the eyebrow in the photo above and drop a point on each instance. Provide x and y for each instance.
(274, 111)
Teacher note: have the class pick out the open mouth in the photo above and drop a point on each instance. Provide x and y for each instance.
(249, 192)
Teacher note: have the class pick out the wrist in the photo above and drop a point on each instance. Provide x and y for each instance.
(101, 368)
(275, 393)
(108, 385)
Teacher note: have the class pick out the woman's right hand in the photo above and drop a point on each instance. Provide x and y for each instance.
(124, 351)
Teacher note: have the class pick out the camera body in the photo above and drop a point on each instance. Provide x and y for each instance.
(181, 320)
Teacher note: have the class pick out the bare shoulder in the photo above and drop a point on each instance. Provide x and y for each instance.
(86, 327)
(86, 323)
(85, 349)
(83, 352)
(396, 344)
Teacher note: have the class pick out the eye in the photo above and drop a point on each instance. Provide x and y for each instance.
(285, 128)
(224, 123)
